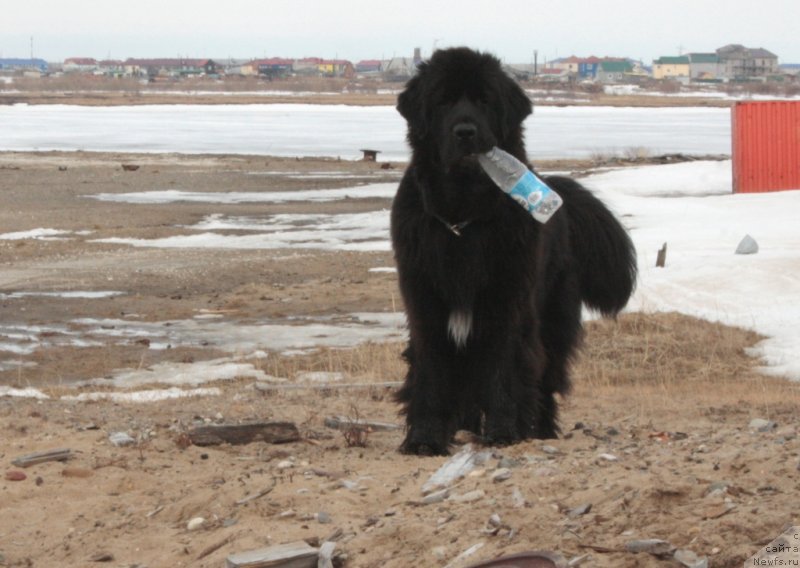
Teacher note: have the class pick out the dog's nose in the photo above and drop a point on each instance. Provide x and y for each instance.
(465, 131)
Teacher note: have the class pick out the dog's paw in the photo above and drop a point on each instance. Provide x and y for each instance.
(423, 448)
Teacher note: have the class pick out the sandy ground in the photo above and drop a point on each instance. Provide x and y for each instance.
(658, 441)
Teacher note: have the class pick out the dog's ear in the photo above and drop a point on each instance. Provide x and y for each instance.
(518, 106)
(411, 105)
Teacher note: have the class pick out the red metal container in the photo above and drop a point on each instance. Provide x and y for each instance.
(766, 146)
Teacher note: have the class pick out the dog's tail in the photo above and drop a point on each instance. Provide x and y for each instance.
(603, 251)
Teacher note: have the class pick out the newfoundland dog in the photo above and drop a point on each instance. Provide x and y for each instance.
(493, 297)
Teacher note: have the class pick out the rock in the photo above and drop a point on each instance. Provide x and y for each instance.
(495, 520)
(469, 497)
(608, 457)
(439, 552)
(16, 475)
(295, 554)
(324, 518)
(551, 450)
(717, 489)
(325, 559)
(458, 466)
(502, 474)
(285, 464)
(195, 524)
(761, 425)
(508, 463)
(121, 439)
(579, 511)
(653, 546)
(690, 559)
(747, 245)
(518, 500)
(436, 497)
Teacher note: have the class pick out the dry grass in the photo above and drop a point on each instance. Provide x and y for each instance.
(370, 362)
(651, 359)
(663, 361)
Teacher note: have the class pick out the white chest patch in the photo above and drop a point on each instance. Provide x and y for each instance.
(459, 326)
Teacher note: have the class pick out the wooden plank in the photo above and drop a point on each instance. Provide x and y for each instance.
(344, 423)
(61, 454)
(237, 434)
(292, 555)
(267, 387)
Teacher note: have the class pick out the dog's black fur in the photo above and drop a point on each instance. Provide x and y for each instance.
(515, 286)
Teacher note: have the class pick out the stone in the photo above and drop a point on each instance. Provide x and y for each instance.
(16, 475)
(502, 474)
(121, 439)
(654, 546)
(195, 524)
(436, 497)
(469, 497)
(457, 467)
(518, 500)
(326, 551)
(689, 559)
(579, 511)
(747, 245)
(295, 554)
(762, 425)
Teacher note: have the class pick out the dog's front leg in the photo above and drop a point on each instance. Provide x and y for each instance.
(430, 396)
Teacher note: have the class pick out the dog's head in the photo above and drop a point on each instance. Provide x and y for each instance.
(461, 103)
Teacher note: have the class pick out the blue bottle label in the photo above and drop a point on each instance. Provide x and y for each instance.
(532, 193)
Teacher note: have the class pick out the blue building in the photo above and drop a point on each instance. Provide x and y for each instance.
(23, 65)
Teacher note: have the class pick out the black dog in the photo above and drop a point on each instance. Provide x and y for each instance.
(493, 297)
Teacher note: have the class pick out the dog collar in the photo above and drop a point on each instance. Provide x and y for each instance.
(454, 228)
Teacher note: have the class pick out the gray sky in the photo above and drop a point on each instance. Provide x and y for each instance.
(360, 29)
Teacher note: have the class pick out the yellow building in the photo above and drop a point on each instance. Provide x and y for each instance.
(671, 67)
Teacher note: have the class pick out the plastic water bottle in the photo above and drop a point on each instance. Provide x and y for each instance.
(514, 178)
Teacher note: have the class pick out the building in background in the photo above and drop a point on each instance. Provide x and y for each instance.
(79, 65)
(669, 67)
(152, 68)
(12, 65)
(705, 67)
(740, 63)
(614, 71)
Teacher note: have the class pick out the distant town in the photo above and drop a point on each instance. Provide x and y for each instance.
(731, 63)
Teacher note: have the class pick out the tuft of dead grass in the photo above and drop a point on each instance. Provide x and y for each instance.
(369, 362)
(662, 360)
(665, 349)
(652, 360)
